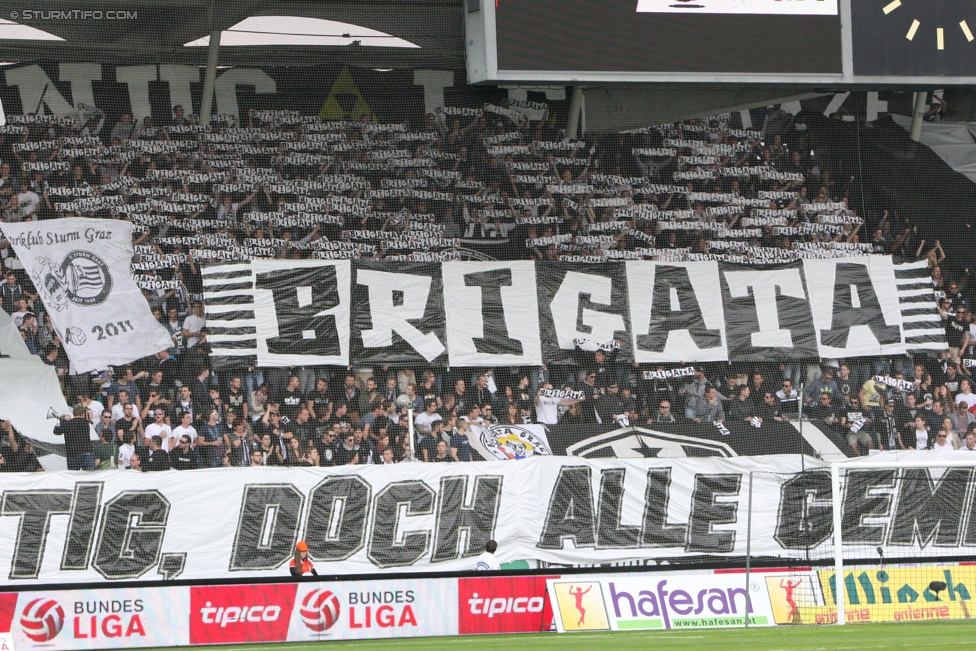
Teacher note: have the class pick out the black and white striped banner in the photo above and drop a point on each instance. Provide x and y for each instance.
(283, 312)
(921, 323)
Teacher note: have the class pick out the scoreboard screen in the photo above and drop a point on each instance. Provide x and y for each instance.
(711, 42)
(730, 36)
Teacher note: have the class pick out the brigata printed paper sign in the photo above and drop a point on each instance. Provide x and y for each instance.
(374, 609)
(100, 619)
(658, 601)
(767, 7)
(878, 594)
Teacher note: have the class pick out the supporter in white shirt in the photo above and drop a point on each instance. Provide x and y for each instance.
(425, 420)
(126, 450)
(22, 311)
(474, 416)
(193, 326)
(94, 408)
(159, 428)
(185, 428)
(547, 407)
(942, 443)
(487, 562)
(969, 445)
(921, 434)
(28, 201)
(118, 409)
(966, 394)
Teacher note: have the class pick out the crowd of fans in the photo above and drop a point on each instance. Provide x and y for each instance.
(290, 186)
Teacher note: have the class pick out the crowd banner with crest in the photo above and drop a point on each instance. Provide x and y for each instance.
(80, 268)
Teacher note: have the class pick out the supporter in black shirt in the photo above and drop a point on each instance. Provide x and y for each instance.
(184, 457)
(157, 458)
(235, 400)
(664, 414)
(846, 385)
(291, 399)
(771, 409)
(347, 452)
(448, 406)
(16, 454)
(741, 408)
(826, 415)
(461, 397)
(302, 427)
(905, 415)
(889, 437)
(957, 332)
(77, 439)
(325, 446)
(320, 401)
(603, 364)
(952, 377)
(656, 390)
(428, 389)
(340, 416)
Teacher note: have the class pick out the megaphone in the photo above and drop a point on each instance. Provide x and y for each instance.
(53, 415)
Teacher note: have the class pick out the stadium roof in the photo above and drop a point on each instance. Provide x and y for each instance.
(369, 33)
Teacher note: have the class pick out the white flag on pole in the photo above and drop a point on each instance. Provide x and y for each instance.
(80, 268)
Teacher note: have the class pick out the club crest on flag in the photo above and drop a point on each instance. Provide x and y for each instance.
(82, 278)
(513, 442)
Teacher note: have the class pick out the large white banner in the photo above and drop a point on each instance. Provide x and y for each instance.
(71, 527)
(855, 305)
(492, 313)
(676, 312)
(471, 314)
(762, 7)
(80, 268)
(29, 390)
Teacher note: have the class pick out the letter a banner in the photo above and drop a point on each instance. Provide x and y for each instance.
(80, 268)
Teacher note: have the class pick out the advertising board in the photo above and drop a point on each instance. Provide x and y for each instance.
(503, 604)
(97, 619)
(323, 611)
(658, 601)
(876, 594)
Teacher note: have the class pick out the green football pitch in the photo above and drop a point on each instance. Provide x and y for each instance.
(928, 635)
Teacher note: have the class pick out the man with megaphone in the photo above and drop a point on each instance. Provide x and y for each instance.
(77, 439)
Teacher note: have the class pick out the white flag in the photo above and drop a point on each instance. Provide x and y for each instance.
(80, 268)
(505, 442)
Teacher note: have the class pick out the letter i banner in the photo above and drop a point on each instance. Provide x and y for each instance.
(80, 268)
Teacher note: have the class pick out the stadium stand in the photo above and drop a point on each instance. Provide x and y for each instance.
(463, 184)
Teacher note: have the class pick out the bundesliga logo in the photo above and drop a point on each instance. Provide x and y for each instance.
(42, 620)
(320, 610)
